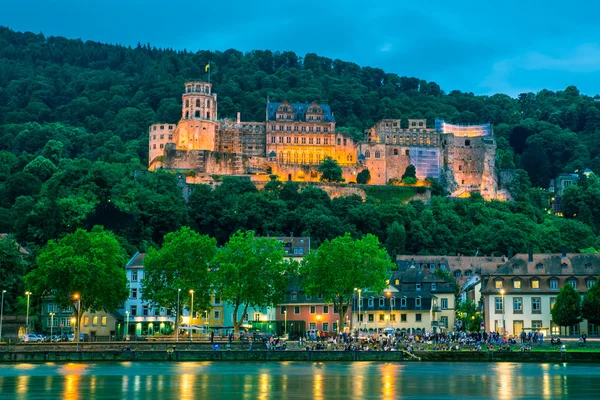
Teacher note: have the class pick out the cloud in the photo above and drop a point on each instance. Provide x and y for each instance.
(584, 58)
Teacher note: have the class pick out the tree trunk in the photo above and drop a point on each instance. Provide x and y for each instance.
(236, 323)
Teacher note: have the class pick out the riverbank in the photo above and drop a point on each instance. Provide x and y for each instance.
(291, 355)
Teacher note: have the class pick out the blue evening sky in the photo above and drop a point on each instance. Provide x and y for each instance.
(502, 46)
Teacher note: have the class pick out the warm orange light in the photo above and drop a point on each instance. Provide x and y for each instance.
(76, 296)
(318, 317)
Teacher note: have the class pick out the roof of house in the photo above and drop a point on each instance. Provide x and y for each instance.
(21, 248)
(551, 264)
(300, 111)
(137, 261)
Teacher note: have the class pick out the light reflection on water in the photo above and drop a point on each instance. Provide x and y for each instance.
(265, 381)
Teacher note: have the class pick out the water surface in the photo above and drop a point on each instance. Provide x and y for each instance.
(298, 380)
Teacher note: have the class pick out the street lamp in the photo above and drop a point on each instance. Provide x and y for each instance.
(285, 323)
(27, 317)
(191, 315)
(127, 323)
(359, 315)
(2, 314)
(78, 298)
(503, 308)
(389, 296)
(177, 317)
(51, 323)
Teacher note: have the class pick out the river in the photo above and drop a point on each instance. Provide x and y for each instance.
(298, 380)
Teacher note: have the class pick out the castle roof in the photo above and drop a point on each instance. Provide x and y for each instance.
(300, 111)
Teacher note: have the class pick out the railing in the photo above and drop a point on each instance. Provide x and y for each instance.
(435, 309)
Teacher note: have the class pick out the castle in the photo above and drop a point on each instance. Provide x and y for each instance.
(296, 137)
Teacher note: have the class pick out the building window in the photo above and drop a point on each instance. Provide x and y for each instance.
(312, 326)
(95, 320)
(367, 154)
(563, 266)
(371, 317)
(417, 317)
(552, 301)
(402, 317)
(134, 293)
(590, 283)
(216, 314)
(86, 321)
(433, 286)
(518, 304)
(377, 154)
(325, 309)
(134, 276)
(381, 302)
(588, 267)
(539, 267)
(371, 302)
(535, 284)
(536, 305)
(516, 284)
(313, 309)
(145, 310)
(103, 321)
(256, 317)
(381, 317)
(444, 304)
(553, 284)
(282, 310)
(273, 139)
(573, 283)
(418, 286)
(418, 302)
(294, 296)
(498, 303)
(498, 285)
(326, 326)
(52, 307)
(403, 302)
(296, 309)
(457, 273)
(133, 310)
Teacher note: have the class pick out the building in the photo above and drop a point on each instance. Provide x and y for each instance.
(296, 137)
(415, 301)
(141, 316)
(96, 326)
(520, 294)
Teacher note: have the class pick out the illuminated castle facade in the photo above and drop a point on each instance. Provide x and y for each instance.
(296, 137)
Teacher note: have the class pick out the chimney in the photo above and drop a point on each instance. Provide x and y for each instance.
(238, 117)
(530, 249)
(564, 252)
(510, 253)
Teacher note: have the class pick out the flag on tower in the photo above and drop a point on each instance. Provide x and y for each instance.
(207, 67)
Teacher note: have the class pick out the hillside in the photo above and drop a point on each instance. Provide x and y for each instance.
(73, 129)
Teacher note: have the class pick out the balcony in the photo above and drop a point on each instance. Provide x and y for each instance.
(440, 324)
(435, 309)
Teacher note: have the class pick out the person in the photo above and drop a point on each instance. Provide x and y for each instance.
(212, 337)
(584, 337)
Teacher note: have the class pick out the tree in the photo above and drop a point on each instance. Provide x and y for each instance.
(466, 311)
(396, 240)
(590, 308)
(250, 272)
(40, 167)
(330, 170)
(183, 262)
(13, 264)
(88, 264)
(343, 264)
(410, 172)
(363, 177)
(567, 308)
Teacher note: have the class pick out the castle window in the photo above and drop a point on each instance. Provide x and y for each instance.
(295, 140)
(288, 140)
(325, 129)
(170, 137)
(187, 114)
(198, 103)
(325, 140)
(281, 128)
(273, 128)
(296, 128)
(318, 140)
(467, 142)
(288, 128)
(339, 141)
(407, 153)
(318, 129)
(377, 154)
(162, 136)
(154, 146)
(162, 145)
(460, 167)
(303, 129)
(273, 139)
(395, 152)
(280, 139)
(187, 103)
(310, 140)
(197, 114)
(367, 154)
(344, 142)
(310, 128)
(303, 140)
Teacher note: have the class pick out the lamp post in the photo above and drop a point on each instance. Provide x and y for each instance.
(177, 317)
(285, 323)
(51, 323)
(503, 308)
(359, 314)
(27, 317)
(126, 323)
(191, 315)
(78, 298)
(2, 314)
(388, 294)
(206, 319)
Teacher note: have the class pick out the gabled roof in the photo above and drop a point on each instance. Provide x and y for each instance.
(137, 261)
(300, 111)
(551, 264)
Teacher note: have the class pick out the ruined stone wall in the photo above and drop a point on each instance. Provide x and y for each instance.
(196, 134)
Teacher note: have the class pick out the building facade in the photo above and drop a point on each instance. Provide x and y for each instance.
(520, 294)
(296, 137)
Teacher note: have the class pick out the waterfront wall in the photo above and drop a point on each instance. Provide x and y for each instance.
(310, 356)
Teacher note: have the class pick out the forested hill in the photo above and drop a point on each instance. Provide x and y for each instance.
(73, 127)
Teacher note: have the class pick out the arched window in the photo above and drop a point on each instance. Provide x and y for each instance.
(367, 154)
(377, 154)
(395, 152)
(457, 273)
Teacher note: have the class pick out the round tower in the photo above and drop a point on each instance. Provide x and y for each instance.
(198, 102)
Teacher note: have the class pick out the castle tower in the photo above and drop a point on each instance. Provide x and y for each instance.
(197, 129)
(199, 102)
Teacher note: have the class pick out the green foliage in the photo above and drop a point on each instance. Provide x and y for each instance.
(567, 307)
(363, 177)
(396, 240)
(410, 172)
(590, 307)
(330, 170)
(410, 180)
(466, 311)
(40, 167)
(182, 262)
(13, 266)
(343, 264)
(90, 264)
(250, 272)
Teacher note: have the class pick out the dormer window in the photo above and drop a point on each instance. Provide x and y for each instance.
(468, 273)
(433, 286)
(563, 267)
(457, 273)
(573, 282)
(397, 282)
(498, 285)
(539, 267)
(294, 296)
(517, 284)
(418, 302)
(588, 266)
(535, 284)
(418, 286)
(515, 267)
(403, 302)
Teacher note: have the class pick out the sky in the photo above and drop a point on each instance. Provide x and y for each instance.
(484, 47)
